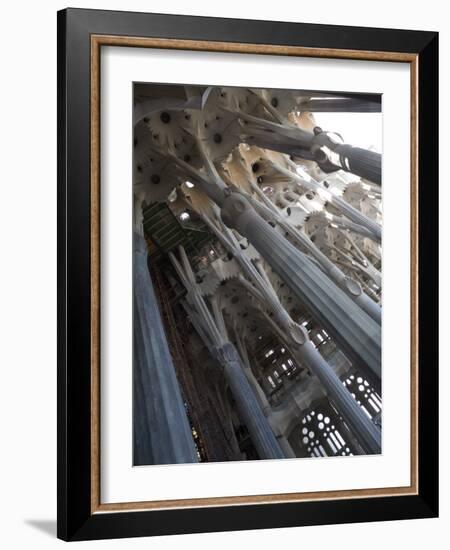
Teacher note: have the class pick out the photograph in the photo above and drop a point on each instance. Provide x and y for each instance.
(257, 273)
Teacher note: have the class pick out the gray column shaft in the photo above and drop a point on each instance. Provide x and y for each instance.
(358, 335)
(357, 217)
(301, 143)
(345, 223)
(286, 446)
(369, 306)
(352, 213)
(162, 431)
(247, 404)
(362, 162)
(339, 277)
(365, 430)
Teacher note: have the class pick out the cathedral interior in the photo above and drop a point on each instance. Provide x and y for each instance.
(256, 276)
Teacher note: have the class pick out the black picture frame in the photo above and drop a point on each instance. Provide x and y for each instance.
(76, 521)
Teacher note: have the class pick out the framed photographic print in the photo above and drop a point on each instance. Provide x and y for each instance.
(247, 253)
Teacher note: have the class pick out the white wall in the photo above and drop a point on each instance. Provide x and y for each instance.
(28, 272)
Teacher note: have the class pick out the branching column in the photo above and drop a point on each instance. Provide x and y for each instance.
(247, 404)
(303, 351)
(355, 331)
(348, 285)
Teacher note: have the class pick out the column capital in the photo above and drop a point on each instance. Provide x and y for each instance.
(139, 244)
(298, 334)
(233, 207)
(353, 286)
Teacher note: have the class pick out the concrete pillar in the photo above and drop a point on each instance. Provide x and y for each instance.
(247, 405)
(362, 162)
(356, 333)
(286, 446)
(303, 351)
(161, 428)
(348, 285)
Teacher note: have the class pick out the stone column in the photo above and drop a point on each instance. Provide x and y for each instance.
(362, 162)
(326, 148)
(352, 213)
(161, 429)
(247, 404)
(286, 446)
(304, 353)
(358, 335)
(366, 432)
(296, 339)
(351, 287)
(357, 217)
